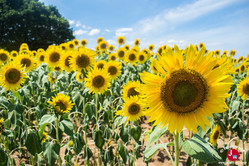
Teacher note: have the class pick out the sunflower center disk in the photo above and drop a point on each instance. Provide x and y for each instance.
(42, 58)
(216, 135)
(121, 54)
(246, 89)
(25, 62)
(98, 81)
(82, 61)
(132, 92)
(141, 57)
(184, 91)
(67, 61)
(134, 108)
(132, 57)
(103, 46)
(112, 70)
(54, 57)
(3, 57)
(100, 65)
(61, 105)
(12, 76)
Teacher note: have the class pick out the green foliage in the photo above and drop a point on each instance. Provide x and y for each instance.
(31, 22)
(50, 151)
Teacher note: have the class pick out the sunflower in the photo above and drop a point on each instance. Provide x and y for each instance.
(243, 88)
(71, 44)
(225, 62)
(131, 57)
(121, 40)
(141, 57)
(83, 42)
(137, 42)
(14, 53)
(133, 109)
(151, 47)
(53, 56)
(111, 48)
(160, 50)
(225, 52)
(79, 77)
(4, 56)
(65, 60)
(100, 64)
(237, 69)
(135, 48)
(242, 68)
(186, 91)
(12, 76)
(83, 59)
(44, 137)
(121, 53)
(113, 68)
(1, 125)
(103, 46)
(112, 57)
(232, 52)
(127, 47)
(63, 46)
(51, 78)
(215, 135)
(40, 50)
(153, 66)
(241, 58)
(61, 103)
(217, 52)
(98, 81)
(100, 39)
(41, 56)
(26, 61)
(57, 68)
(76, 42)
(201, 45)
(131, 89)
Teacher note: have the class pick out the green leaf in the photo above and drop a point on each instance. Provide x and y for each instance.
(79, 142)
(136, 133)
(149, 152)
(17, 95)
(3, 158)
(247, 157)
(99, 139)
(47, 119)
(123, 153)
(50, 152)
(155, 135)
(33, 143)
(124, 133)
(199, 149)
(235, 106)
(67, 127)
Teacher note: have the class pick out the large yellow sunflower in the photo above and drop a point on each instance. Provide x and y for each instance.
(4, 56)
(62, 103)
(82, 59)
(26, 61)
(243, 88)
(121, 40)
(186, 91)
(53, 57)
(121, 53)
(215, 135)
(12, 76)
(133, 109)
(131, 89)
(98, 81)
(113, 68)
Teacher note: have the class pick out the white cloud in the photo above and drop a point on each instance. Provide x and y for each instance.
(78, 24)
(79, 32)
(107, 30)
(94, 32)
(123, 31)
(71, 22)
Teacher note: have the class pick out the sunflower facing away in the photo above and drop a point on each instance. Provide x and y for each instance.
(185, 92)
(133, 109)
(62, 103)
(98, 81)
(243, 88)
(113, 68)
(12, 76)
(215, 135)
(131, 89)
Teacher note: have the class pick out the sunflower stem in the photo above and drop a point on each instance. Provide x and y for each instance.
(57, 136)
(243, 120)
(176, 146)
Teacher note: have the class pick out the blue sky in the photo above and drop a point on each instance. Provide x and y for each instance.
(219, 24)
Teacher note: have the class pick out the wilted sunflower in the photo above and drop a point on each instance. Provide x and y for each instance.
(83, 42)
(121, 40)
(185, 92)
(71, 44)
(113, 68)
(100, 64)
(26, 61)
(141, 57)
(53, 56)
(4, 56)
(83, 59)
(112, 57)
(151, 47)
(137, 42)
(243, 88)
(121, 53)
(111, 48)
(44, 137)
(131, 89)
(215, 135)
(98, 81)
(131, 57)
(65, 60)
(62, 103)
(100, 39)
(133, 109)
(12, 76)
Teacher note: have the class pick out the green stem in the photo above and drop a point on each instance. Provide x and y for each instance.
(57, 137)
(177, 150)
(243, 120)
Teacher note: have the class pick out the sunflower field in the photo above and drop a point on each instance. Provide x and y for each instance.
(71, 105)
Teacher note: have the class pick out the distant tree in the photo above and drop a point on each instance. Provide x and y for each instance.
(31, 22)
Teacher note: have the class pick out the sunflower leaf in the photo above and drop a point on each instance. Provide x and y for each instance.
(50, 151)
(155, 135)
(67, 127)
(149, 152)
